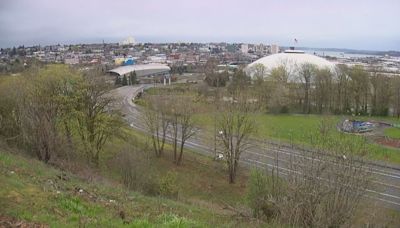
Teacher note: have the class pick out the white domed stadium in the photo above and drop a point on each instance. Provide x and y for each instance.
(292, 60)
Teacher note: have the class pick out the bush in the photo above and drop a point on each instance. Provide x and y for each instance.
(284, 110)
(263, 194)
(168, 185)
(326, 193)
(172, 220)
(217, 79)
(136, 172)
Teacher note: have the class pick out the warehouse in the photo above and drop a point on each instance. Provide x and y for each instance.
(142, 70)
(145, 73)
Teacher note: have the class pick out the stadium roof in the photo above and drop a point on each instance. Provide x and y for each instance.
(141, 70)
(292, 60)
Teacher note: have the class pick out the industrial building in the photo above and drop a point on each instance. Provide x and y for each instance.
(144, 72)
(274, 49)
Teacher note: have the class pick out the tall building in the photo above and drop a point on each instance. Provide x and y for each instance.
(259, 49)
(128, 41)
(274, 49)
(244, 48)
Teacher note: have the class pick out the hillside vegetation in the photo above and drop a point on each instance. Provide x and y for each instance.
(68, 159)
(34, 192)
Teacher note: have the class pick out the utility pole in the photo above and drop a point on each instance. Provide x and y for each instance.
(398, 103)
(215, 118)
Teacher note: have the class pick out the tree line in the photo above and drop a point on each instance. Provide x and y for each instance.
(131, 79)
(170, 117)
(344, 90)
(54, 111)
(307, 89)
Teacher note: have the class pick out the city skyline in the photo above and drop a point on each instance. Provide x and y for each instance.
(366, 25)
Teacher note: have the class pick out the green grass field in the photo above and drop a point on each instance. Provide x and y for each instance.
(392, 132)
(305, 130)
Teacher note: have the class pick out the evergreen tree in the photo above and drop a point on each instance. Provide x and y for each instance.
(133, 78)
(117, 80)
(13, 52)
(124, 81)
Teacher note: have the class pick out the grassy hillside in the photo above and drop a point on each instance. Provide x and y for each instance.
(38, 194)
(34, 192)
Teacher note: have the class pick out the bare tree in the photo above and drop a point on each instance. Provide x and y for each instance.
(212, 76)
(240, 81)
(156, 119)
(277, 86)
(39, 121)
(259, 74)
(187, 128)
(323, 90)
(395, 88)
(236, 125)
(380, 94)
(182, 122)
(325, 191)
(319, 189)
(360, 88)
(306, 73)
(342, 103)
(175, 130)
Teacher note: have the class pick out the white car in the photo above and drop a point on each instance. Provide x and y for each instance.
(219, 156)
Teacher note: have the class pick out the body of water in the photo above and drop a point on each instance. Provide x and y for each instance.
(338, 54)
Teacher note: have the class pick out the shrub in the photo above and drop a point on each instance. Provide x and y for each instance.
(168, 185)
(263, 194)
(318, 191)
(136, 172)
(172, 220)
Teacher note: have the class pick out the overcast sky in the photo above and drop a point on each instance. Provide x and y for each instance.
(358, 24)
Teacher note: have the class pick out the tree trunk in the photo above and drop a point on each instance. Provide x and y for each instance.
(175, 142)
(232, 174)
(181, 153)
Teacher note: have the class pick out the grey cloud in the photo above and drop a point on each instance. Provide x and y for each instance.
(337, 23)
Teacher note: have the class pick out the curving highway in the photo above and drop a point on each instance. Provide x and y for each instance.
(267, 154)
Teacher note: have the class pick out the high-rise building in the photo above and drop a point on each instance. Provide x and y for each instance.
(274, 49)
(128, 41)
(244, 48)
(259, 49)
